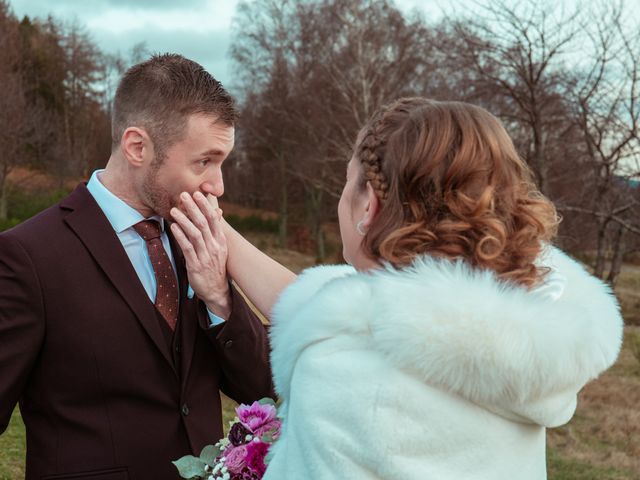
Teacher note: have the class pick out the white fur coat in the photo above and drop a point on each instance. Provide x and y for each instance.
(436, 371)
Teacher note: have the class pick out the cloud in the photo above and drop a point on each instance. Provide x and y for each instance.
(207, 48)
(155, 4)
(197, 29)
(42, 8)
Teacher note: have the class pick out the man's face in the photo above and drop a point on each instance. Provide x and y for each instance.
(190, 165)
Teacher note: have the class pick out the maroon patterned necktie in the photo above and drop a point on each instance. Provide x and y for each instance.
(167, 290)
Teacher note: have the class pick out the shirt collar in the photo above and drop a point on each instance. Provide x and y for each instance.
(120, 215)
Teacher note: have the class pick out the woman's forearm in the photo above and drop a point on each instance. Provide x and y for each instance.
(260, 277)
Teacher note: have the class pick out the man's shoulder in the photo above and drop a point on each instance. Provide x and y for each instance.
(44, 226)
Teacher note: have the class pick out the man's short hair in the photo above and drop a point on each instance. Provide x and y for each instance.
(161, 93)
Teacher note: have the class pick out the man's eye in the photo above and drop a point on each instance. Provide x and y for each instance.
(205, 161)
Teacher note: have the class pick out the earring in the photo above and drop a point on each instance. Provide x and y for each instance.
(359, 228)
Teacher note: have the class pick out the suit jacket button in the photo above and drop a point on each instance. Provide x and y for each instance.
(228, 344)
(185, 410)
(177, 348)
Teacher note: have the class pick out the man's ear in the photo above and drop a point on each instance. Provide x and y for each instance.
(136, 146)
(372, 207)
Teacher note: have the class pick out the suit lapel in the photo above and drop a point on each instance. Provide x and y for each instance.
(91, 226)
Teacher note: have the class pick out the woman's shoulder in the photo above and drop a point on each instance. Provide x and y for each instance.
(308, 284)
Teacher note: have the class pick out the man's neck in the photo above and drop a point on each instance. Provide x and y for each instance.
(115, 179)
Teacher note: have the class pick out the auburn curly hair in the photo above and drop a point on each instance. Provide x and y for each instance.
(451, 184)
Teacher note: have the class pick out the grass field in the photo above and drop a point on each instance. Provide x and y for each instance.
(602, 441)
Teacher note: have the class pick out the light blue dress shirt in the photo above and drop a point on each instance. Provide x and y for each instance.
(122, 218)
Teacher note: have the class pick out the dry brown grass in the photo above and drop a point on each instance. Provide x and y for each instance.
(605, 431)
(628, 291)
(30, 180)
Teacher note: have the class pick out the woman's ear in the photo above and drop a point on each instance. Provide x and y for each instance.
(136, 145)
(372, 207)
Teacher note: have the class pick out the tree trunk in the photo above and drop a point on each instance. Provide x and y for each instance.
(62, 169)
(320, 244)
(598, 270)
(284, 203)
(314, 212)
(538, 159)
(618, 254)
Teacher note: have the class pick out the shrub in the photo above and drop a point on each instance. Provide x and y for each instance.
(8, 223)
(25, 204)
(253, 223)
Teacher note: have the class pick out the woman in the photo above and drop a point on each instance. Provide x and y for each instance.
(455, 336)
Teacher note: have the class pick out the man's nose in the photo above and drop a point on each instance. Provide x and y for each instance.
(214, 185)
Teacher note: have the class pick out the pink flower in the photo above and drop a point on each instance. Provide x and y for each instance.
(235, 458)
(273, 428)
(256, 451)
(256, 415)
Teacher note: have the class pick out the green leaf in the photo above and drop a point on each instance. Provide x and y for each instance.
(267, 401)
(190, 467)
(268, 436)
(209, 454)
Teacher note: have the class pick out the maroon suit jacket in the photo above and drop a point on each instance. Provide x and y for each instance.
(103, 392)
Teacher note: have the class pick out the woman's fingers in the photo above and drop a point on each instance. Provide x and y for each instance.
(213, 216)
(187, 247)
(196, 210)
(213, 236)
(191, 232)
(206, 260)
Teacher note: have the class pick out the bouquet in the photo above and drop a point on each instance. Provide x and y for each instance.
(243, 454)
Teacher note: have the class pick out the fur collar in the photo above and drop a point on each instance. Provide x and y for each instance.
(458, 328)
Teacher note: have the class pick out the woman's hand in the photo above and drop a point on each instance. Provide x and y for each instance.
(198, 231)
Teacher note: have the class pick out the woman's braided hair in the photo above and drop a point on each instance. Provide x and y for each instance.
(452, 185)
(369, 153)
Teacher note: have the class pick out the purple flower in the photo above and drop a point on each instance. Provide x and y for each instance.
(256, 415)
(273, 428)
(256, 451)
(238, 433)
(235, 458)
(246, 474)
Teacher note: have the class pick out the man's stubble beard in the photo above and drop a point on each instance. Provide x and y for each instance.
(156, 197)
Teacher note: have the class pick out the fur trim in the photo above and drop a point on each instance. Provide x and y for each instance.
(522, 354)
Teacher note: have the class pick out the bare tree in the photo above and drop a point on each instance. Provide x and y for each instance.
(12, 102)
(606, 113)
(83, 97)
(318, 69)
(516, 50)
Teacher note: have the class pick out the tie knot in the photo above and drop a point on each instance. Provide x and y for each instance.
(148, 229)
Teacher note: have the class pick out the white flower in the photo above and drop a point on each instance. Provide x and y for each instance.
(248, 437)
(223, 444)
(226, 476)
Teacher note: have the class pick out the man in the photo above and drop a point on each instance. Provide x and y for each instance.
(116, 363)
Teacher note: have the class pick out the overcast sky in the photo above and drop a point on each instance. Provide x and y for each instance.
(197, 29)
